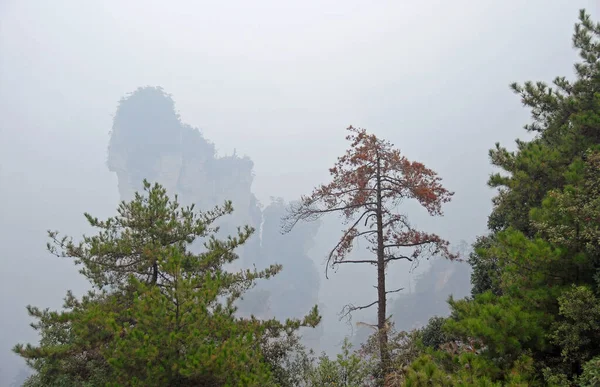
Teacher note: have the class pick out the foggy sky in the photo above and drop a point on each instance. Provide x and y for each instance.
(275, 80)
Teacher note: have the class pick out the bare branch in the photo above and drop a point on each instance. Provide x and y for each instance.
(358, 261)
(368, 232)
(393, 180)
(345, 192)
(304, 212)
(342, 239)
(397, 258)
(351, 308)
(394, 291)
(396, 218)
(421, 243)
(367, 219)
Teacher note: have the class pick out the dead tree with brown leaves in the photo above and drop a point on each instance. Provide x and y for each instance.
(368, 184)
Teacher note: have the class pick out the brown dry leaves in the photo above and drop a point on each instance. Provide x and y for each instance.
(371, 166)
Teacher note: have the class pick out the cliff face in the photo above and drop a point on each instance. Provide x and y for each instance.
(295, 290)
(296, 287)
(145, 140)
(149, 141)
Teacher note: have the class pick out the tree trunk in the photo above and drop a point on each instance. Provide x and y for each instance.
(154, 273)
(381, 293)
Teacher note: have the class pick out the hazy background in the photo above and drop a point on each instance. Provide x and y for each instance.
(277, 81)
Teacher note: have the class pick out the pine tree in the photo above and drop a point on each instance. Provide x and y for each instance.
(368, 183)
(533, 314)
(158, 314)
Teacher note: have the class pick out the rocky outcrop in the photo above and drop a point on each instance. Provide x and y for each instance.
(296, 288)
(149, 141)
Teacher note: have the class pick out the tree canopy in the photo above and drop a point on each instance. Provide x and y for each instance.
(533, 317)
(157, 313)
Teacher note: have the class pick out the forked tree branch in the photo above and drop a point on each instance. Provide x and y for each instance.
(304, 212)
(349, 308)
(397, 258)
(343, 239)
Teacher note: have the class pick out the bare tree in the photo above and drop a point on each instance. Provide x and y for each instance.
(368, 184)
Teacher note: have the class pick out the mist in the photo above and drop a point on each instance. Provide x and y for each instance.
(277, 83)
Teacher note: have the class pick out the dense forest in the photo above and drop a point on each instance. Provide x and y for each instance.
(170, 305)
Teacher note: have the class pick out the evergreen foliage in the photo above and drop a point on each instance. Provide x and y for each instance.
(157, 313)
(533, 318)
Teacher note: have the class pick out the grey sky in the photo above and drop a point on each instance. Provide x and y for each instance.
(275, 80)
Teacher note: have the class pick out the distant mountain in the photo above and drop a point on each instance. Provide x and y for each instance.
(149, 141)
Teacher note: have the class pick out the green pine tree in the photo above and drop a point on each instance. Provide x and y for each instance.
(159, 314)
(532, 319)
